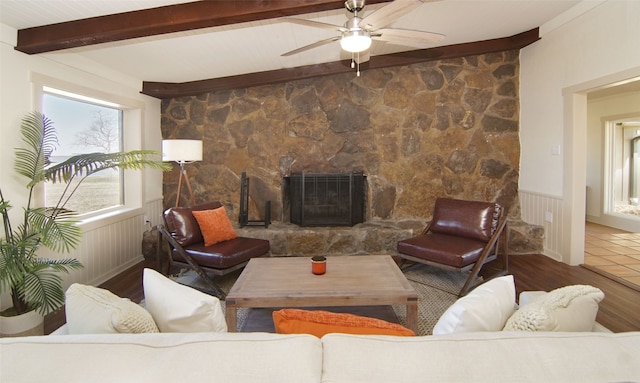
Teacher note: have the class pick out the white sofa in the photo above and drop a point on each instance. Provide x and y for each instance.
(336, 358)
(474, 350)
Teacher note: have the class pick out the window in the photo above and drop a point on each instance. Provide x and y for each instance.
(85, 125)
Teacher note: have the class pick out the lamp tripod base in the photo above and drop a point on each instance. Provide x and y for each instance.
(183, 176)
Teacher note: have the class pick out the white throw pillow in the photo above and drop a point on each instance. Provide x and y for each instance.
(179, 308)
(92, 310)
(570, 308)
(486, 308)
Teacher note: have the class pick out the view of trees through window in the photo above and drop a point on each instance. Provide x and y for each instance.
(85, 127)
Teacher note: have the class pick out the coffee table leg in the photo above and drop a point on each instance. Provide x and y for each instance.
(231, 315)
(412, 315)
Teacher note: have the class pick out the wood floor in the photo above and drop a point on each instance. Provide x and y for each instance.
(619, 311)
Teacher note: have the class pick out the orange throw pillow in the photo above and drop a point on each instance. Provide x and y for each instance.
(214, 225)
(319, 323)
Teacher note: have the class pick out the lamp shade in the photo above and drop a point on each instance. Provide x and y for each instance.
(355, 41)
(182, 150)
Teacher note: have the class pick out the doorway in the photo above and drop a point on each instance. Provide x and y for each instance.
(621, 175)
(612, 167)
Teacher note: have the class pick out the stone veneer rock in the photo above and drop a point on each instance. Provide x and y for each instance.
(442, 128)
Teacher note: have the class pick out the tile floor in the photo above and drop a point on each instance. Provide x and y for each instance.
(614, 252)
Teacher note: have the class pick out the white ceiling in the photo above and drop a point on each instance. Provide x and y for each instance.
(257, 46)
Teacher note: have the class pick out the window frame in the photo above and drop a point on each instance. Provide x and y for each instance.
(81, 99)
(131, 136)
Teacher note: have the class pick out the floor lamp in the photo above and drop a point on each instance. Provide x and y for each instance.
(182, 152)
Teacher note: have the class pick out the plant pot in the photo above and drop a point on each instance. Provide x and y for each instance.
(28, 324)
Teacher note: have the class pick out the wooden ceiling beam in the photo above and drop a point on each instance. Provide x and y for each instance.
(161, 20)
(165, 90)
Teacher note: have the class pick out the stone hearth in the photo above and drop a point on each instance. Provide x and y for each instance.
(373, 237)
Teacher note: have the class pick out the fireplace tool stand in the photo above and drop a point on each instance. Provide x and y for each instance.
(243, 217)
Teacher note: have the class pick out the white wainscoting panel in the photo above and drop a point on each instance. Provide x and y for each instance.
(546, 211)
(109, 246)
(153, 211)
(110, 249)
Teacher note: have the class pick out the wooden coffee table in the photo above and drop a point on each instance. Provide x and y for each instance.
(349, 281)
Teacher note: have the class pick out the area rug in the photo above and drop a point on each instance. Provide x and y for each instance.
(437, 290)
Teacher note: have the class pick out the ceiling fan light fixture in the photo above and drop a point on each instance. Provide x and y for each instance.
(355, 41)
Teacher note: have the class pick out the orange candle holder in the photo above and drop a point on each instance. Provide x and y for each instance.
(319, 264)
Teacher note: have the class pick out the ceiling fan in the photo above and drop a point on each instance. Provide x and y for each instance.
(357, 33)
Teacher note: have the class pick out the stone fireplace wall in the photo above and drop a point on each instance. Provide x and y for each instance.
(418, 132)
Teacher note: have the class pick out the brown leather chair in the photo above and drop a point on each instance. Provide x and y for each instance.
(187, 249)
(462, 236)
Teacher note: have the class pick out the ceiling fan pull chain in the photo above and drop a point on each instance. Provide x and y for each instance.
(358, 63)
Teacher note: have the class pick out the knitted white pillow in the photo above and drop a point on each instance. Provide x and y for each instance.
(570, 308)
(92, 310)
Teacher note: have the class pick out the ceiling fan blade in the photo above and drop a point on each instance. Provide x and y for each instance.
(388, 14)
(315, 24)
(407, 36)
(311, 46)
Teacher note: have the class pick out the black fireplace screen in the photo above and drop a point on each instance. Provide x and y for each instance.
(326, 199)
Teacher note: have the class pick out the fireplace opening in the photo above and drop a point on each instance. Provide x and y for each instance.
(325, 199)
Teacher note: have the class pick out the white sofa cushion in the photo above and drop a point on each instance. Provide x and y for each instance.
(92, 310)
(158, 358)
(486, 308)
(569, 308)
(179, 308)
(482, 357)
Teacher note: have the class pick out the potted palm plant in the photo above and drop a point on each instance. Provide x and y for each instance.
(35, 283)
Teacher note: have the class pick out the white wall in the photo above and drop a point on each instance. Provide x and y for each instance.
(109, 245)
(599, 110)
(599, 41)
